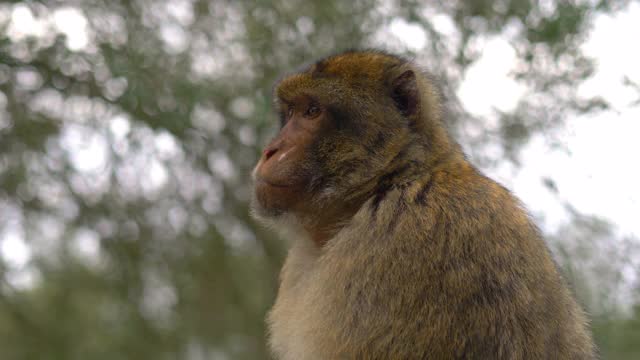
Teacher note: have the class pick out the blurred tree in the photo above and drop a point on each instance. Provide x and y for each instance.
(128, 130)
(619, 335)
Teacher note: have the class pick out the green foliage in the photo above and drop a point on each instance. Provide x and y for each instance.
(618, 335)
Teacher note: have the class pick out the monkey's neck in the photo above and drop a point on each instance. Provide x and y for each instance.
(322, 228)
(321, 233)
(406, 166)
(321, 237)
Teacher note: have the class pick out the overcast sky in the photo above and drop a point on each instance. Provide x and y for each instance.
(601, 173)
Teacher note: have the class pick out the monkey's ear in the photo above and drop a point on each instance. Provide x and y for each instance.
(405, 93)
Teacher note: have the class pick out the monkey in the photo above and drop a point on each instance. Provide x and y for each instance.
(402, 249)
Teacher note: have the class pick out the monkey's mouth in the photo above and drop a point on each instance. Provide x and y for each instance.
(263, 181)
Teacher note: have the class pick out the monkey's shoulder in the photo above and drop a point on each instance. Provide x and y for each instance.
(461, 198)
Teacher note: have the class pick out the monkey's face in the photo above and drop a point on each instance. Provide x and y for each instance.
(286, 169)
(341, 128)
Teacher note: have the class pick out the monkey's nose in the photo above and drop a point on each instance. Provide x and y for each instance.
(269, 152)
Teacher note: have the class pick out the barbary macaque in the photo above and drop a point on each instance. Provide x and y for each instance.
(401, 248)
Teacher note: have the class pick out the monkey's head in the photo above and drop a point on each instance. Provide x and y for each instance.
(347, 122)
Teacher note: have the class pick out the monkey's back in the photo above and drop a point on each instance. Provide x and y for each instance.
(446, 266)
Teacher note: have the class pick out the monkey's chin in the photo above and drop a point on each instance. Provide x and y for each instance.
(262, 212)
(268, 203)
(282, 221)
(271, 200)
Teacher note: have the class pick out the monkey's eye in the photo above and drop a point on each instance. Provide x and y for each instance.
(312, 111)
(289, 113)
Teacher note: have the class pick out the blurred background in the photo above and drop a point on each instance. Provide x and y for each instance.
(128, 130)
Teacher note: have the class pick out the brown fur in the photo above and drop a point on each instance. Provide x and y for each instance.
(427, 257)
